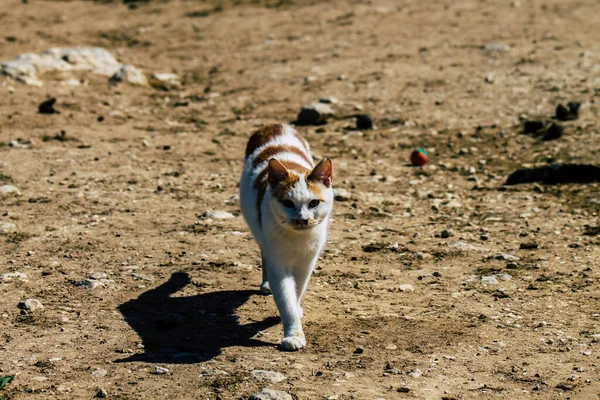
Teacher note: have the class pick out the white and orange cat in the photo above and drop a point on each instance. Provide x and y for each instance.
(286, 200)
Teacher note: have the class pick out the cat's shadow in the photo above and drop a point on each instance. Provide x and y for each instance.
(182, 330)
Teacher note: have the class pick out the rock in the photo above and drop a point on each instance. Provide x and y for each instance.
(30, 305)
(314, 114)
(99, 373)
(415, 374)
(9, 190)
(89, 284)
(7, 227)
(160, 370)
(329, 100)
(553, 132)
(489, 280)
(364, 122)
(270, 394)
(445, 234)
(533, 126)
(405, 287)
(129, 74)
(28, 80)
(102, 394)
(484, 236)
(568, 113)
(359, 350)
(97, 275)
(507, 257)
(26, 67)
(216, 214)
(495, 48)
(13, 276)
(341, 194)
(47, 107)
(262, 375)
(142, 277)
(164, 80)
(528, 246)
(489, 78)
(463, 246)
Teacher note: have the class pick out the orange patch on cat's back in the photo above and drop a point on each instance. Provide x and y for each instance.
(263, 136)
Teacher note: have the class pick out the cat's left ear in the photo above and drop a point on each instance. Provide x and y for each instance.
(322, 172)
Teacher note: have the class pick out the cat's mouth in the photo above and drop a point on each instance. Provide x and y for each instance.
(304, 225)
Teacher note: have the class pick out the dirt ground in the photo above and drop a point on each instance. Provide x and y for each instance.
(438, 282)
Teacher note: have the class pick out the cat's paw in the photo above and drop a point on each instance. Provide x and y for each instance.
(293, 343)
(265, 289)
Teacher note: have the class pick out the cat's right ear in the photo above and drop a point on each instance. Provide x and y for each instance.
(276, 172)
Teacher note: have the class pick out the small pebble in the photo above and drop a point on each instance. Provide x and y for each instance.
(271, 376)
(364, 122)
(30, 305)
(160, 370)
(270, 394)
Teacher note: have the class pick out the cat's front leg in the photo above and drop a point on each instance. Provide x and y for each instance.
(284, 293)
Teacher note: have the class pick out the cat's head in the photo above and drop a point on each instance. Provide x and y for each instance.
(300, 201)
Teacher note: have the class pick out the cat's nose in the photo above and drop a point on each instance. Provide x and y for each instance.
(301, 221)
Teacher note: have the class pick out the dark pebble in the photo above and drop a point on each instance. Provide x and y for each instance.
(528, 246)
(364, 122)
(533, 126)
(568, 113)
(553, 132)
(47, 107)
(359, 350)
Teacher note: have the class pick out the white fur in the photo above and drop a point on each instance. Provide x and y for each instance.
(288, 254)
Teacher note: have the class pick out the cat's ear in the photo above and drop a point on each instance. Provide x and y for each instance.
(276, 172)
(322, 172)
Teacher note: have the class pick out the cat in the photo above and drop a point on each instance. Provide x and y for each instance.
(286, 201)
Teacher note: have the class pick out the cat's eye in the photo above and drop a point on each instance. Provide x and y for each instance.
(288, 203)
(314, 203)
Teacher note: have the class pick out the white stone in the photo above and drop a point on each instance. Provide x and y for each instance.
(489, 280)
(262, 375)
(160, 370)
(27, 67)
(314, 114)
(9, 190)
(13, 276)
(97, 275)
(129, 74)
(7, 227)
(99, 373)
(217, 214)
(270, 394)
(30, 305)
(405, 287)
(340, 194)
(164, 80)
